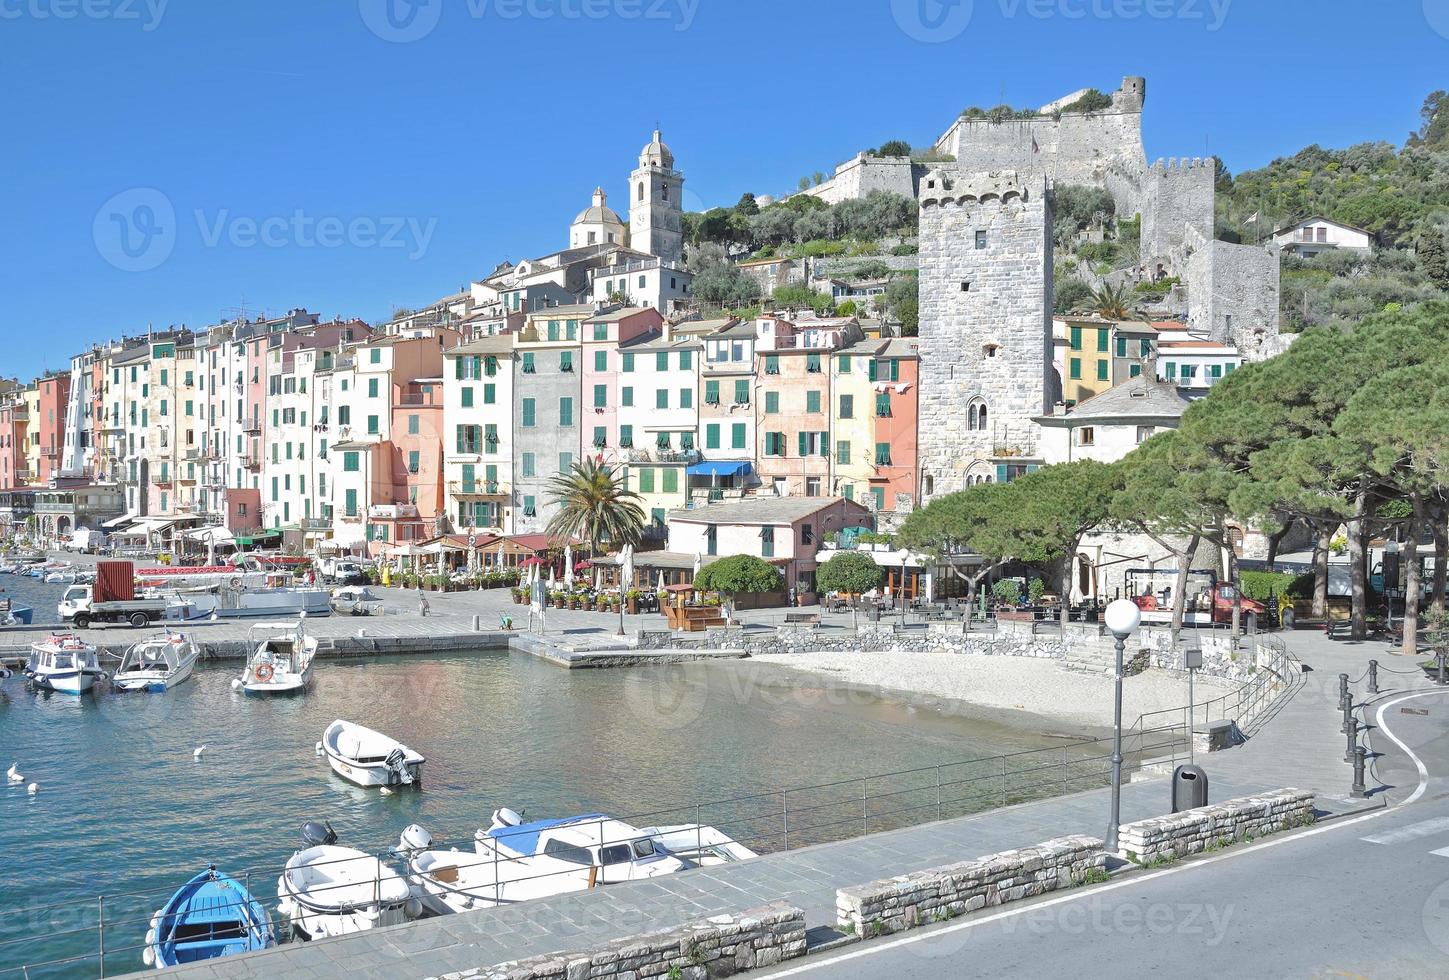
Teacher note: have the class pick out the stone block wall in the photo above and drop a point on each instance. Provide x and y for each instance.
(860, 175)
(720, 946)
(1233, 294)
(922, 897)
(1177, 194)
(1194, 831)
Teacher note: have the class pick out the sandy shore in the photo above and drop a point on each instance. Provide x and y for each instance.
(1060, 699)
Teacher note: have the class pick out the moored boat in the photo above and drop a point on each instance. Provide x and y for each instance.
(65, 663)
(156, 664)
(281, 660)
(330, 890)
(370, 758)
(356, 600)
(211, 915)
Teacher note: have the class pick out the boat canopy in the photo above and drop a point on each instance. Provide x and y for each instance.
(524, 837)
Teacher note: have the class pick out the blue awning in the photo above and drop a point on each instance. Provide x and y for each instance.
(721, 467)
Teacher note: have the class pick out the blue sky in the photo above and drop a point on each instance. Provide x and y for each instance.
(354, 155)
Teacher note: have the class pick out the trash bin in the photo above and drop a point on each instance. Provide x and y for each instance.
(1189, 788)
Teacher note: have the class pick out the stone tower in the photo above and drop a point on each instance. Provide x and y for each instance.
(656, 212)
(985, 326)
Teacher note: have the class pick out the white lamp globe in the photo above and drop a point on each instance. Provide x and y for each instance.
(1123, 617)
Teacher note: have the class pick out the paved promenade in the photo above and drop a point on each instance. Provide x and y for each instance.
(1297, 745)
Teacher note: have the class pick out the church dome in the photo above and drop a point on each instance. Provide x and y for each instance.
(655, 153)
(599, 212)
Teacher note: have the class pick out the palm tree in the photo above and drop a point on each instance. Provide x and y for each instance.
(595, 505)
(1111, 301)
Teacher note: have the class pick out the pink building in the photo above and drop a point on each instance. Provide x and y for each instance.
(603, 363)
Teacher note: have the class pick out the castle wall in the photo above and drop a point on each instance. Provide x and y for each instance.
(1232, 294)
(1177, 194)
(1072, 149)
(1007, 307)
(863, 174)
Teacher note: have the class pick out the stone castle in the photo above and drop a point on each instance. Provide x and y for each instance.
(986, 270)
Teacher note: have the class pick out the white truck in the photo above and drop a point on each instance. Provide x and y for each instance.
(111, 600)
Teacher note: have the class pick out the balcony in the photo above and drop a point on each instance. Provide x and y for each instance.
(251, 425)
(686, 456)
(316, 524)
(480, 489)
(252, 462)
(392, 512)
(162, 482)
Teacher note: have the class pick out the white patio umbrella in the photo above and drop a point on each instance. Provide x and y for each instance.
(568, 566)
(659, 587)
(551, 581)
(626, 568)
(698, 563)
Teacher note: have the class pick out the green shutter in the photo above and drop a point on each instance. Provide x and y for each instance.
(772, 402)
(711, 436)
(671, 480)
(842, 452)
(646, 480)
(737, 435)
(803, 439)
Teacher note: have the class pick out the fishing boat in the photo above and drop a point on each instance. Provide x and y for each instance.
(330, 890)
(281, 660)
(515, 861)
(356, 600)
(370, 758)
(156, 664)
(63, 662)
(13, 615)
(211, 915)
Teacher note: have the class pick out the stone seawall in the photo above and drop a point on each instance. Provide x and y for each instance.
(720, 946)
(922, 897)
(1212, 826)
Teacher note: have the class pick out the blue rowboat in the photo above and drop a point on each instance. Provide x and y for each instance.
(211, 915)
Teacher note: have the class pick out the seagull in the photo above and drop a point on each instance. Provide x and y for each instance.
(13, 773)
(33, 788)
(197, 753)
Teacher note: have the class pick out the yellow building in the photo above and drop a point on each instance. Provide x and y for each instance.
(853, 450)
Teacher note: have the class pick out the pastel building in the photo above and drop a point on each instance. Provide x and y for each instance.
(894, 373)
(547, 420)
(727, 381)
(612, 381)
(793, 413)
(478, 437)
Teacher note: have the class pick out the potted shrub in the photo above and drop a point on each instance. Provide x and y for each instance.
(631, 600)
(559, 599)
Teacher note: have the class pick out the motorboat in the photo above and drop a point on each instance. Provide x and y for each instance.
(156, 664)
(228, 603)
(62, 576)
(281, 660)
(698, 845)
(330, 890)
(211, 915)
(356, 600)
(370, 758)
(63, 662)
(13, 615)
(513, 861)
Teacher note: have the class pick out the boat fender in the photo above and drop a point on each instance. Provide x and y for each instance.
(413, 909)
(506, 817)
(148, 956)
(415, 838)
(319, 748)
(236, 684)
(150, 936)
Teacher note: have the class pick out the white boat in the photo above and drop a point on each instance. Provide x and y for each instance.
(329, 890)
(250, 603)
(699, 845)
(356, 600)
(156, 664)
(62, 576)
(65, 663)
(281, 660)
(370, 758)
(514, 861)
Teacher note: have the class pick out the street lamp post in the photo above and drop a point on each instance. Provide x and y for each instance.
(1122, 617)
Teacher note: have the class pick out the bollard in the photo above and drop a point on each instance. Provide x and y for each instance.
(1348, 756)
(477, 624)
(1373, 687)
(1347, 725)
(1360, 791)
(1342, 689)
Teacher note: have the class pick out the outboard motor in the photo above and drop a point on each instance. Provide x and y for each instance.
(413, 839)
(396, 763)
(504, 817)
(318, 834)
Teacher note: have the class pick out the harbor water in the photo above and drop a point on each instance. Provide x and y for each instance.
(124, 809)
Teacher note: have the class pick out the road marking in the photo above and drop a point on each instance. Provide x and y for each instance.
(1442, 852)
(1077, 894)
(1424, 828)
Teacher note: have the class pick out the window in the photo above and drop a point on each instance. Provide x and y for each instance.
(711, 436)
(812, 363)
(742, 392)
(812, 402)
(490, 438)
(350, 506)
(1171, 370)
(711, 392)
(686, 360)
(774, 443)
(626, 397)
(1146, 346)
(566, 361)
(1133, 370)
(373, 423)
(842, 364)
(980, 239)
(883, 405)
(847, 406)
(1075, 368)
(1145, 432)
(601, 436)
(882, 454)
(626, 436)
(530, 507)
(661, 359)
(530, 468)
(553, 330)
(812, 486)
(772, 363)
(1101, 340)
(661, 398)
(627, 363)
(601, 332)
(467, 400)
(686, 397)
(646, 480)
(530, 418)
(1121, 345)
(1102, 369)
(1189, 372)
(670, 480)
(601, 360)
(566, 411)
(1076, 338)
(565, 462)
(490, 394)
(376, 353)
(807, 534)
(877, 496)
(772, 402)
(601, 396)
(737, 435)
(414, 461)
(528, 366)
(351, 462)
(767, 542)
(1087, 436)
(371, 387)
(711, 540)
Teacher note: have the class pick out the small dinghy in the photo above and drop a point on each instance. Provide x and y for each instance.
(514, 861)
(328, 890)
(156, 664)
(356, 600)
(370, 758)
(281, 661)
(65, 663)
(211, 915)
